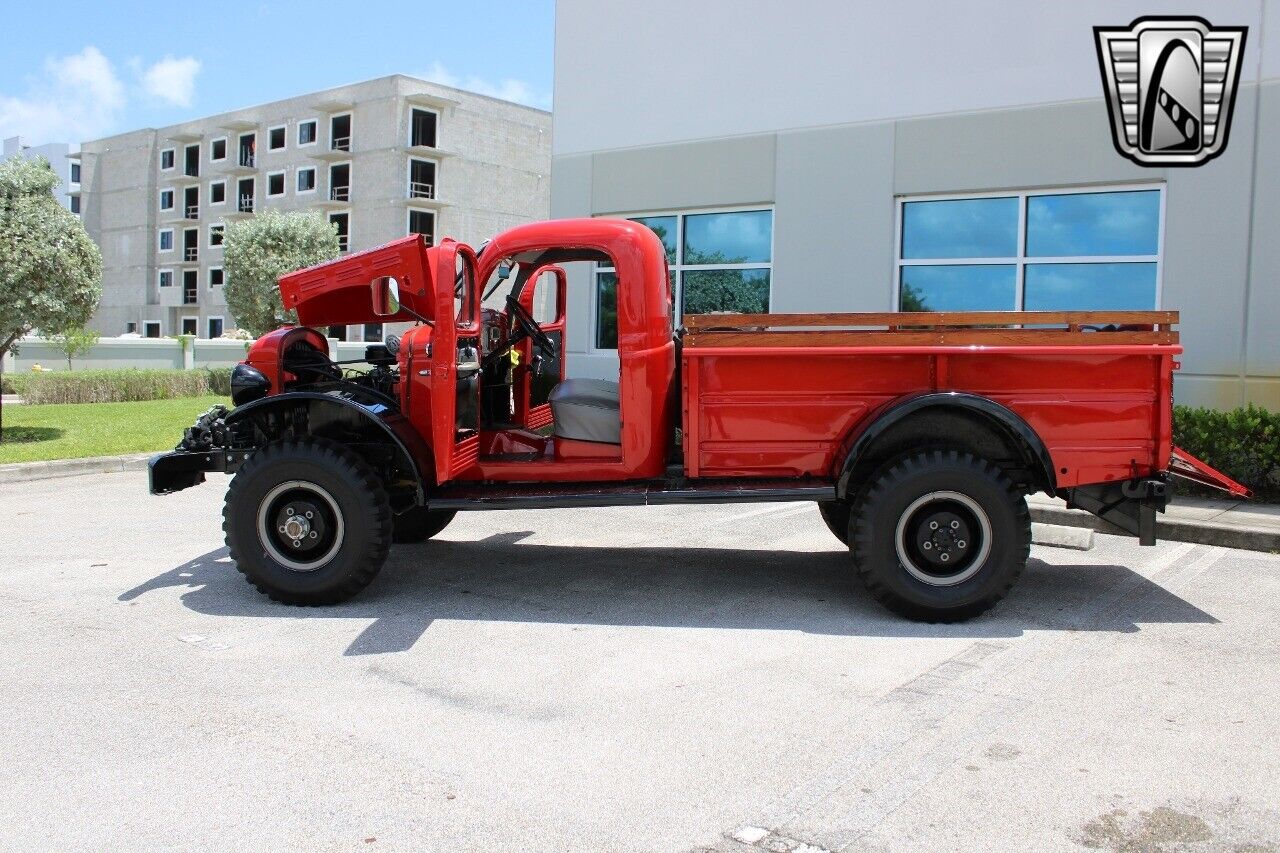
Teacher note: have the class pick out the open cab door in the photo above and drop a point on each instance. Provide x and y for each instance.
(454, 360)
(543, 298)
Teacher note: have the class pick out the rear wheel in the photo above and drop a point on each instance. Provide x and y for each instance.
(420, 524)
(940, 536)
(836, 516)
(307, 522)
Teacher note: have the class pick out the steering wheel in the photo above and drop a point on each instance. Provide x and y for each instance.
(529, 326)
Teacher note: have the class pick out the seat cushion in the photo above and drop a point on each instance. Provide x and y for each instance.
(587, 410)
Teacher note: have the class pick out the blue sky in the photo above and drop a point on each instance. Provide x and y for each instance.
(82, 70)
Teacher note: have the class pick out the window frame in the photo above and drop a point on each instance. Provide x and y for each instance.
(284, 145)
(208, 277)
(284, 183)
(208, 331)
(419, 108)
(226, 149)
(678, 267)
(146, 328)
(173, 159)
(212, 184)
(408, 224)
(160, 277)
(73, 172)
(182, 324)
(160, 249)
(1022, 260)
(173, 199)
(297, 133)
(216, 226)
(315, 179)
(346, 211)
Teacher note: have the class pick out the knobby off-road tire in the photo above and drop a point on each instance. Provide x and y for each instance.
(836, 515)
(940, 536)
(420, 524)
(307, 522)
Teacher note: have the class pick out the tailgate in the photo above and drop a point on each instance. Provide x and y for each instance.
(1183, 464)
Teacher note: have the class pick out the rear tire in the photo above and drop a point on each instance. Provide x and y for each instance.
(307, 522)
(420, 524)
(940, 536)
(836, 515)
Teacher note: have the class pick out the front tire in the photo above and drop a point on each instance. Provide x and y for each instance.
(940, 536)
(307, 522)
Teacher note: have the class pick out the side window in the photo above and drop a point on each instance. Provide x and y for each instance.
(544, 299)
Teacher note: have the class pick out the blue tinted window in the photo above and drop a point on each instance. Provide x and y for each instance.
(1124, 223)
(969, 287)
(738, 291)
(963, 228)
(1095, 287)
(728, 238)
(665, 228)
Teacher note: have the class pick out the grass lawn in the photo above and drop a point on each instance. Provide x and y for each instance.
(75, 430)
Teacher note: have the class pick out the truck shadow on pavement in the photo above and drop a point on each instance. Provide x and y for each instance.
(501, 578)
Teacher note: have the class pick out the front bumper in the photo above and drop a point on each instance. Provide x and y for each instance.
(181, 469)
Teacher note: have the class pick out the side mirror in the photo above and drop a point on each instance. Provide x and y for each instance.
(386, 296)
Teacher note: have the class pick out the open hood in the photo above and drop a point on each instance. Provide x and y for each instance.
(339, 292)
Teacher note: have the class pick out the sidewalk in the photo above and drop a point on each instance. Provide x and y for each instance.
(1209, 521)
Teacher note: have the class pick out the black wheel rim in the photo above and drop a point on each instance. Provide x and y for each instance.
(300, 525)
(943, 538)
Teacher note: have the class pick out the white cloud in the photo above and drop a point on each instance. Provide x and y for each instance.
(172, 80)
(77, 97)
(508, 89)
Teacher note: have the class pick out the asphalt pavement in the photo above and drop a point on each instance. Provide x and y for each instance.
(664, 678)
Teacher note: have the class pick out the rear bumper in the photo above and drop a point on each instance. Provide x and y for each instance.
(1130, 505)
(181, 469)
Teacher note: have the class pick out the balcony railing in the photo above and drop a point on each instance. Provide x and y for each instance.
(246, 204)
(418, 189)
(344, 243)
(246, 159)
(193, 211)
(191, 253)
(190, 295)
(340, 143)
(339, 193)
(191, 171)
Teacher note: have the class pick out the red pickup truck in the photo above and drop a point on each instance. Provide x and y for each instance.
(918, 435)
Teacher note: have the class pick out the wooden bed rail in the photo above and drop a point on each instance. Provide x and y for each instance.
(961, 328)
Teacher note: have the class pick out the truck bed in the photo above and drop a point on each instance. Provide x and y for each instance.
(784, 395)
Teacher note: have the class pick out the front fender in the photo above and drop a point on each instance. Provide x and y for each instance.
(390, 423)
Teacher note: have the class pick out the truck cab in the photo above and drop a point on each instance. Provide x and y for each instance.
(918, 435)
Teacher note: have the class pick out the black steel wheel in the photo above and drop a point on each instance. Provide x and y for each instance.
(940, 536)
(420, 524)
(835, 514)
(307, 522)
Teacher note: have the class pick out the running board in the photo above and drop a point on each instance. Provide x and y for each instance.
(557, 495)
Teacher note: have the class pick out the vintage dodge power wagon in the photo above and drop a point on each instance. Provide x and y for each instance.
(918, 435)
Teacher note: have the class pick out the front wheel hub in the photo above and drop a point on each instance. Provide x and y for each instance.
(300, 525)
(943, 538)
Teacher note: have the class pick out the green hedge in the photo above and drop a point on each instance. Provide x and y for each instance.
(117, 386)
(1243, 443)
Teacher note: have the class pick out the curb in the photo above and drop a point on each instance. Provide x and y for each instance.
(1168, 529)
(26, 472)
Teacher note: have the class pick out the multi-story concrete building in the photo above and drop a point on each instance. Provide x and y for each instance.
(872, 156)
(382, 159)
(64, 162)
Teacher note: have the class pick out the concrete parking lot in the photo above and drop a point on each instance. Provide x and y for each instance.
(667, 679)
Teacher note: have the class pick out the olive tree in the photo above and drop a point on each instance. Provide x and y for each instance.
(257, 251)
(50, 271)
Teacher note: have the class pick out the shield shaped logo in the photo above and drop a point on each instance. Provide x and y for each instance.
(1171, 86)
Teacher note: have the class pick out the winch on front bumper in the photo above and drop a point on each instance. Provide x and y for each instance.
(204, 447)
